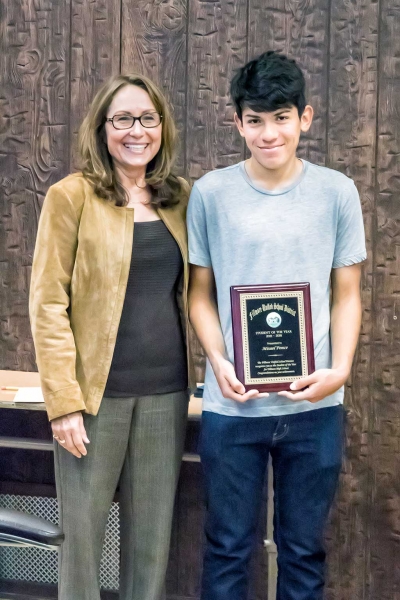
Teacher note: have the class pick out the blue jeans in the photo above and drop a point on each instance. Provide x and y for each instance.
(306, 451)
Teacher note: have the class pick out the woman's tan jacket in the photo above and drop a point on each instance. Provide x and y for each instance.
(79, 276)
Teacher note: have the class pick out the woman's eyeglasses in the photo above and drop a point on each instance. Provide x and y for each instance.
(147, 120)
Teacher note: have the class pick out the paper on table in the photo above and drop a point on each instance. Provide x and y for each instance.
(29, 394)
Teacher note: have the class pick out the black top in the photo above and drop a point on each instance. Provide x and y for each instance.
(149, 355)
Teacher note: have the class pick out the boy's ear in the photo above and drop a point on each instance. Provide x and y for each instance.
(238, 123)
(306, 118)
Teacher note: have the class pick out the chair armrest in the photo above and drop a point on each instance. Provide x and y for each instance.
(29, 527)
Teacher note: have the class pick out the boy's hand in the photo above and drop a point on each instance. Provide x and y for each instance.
(230, 385)
(317, 386)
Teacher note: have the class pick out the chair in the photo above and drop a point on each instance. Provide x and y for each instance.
(22, 530)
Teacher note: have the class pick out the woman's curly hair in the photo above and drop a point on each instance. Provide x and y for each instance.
(97, 164)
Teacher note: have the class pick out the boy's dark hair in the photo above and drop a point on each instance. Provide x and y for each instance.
(267, 83)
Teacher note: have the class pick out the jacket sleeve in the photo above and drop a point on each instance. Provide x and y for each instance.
(49, 301)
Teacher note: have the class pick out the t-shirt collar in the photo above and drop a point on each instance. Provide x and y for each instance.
(273, 192)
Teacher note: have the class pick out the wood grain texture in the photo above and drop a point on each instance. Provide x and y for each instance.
(95, 56)
(190, 525)
(351, 149)
(53, 57)
(154, 44)
(217, 46)
(34, 149)
(385, 420)
(185, 561)
(299, 29)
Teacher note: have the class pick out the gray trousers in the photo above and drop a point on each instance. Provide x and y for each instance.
(139, 442)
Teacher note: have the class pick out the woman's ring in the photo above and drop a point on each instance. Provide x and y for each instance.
(62, 441)
(56, 437)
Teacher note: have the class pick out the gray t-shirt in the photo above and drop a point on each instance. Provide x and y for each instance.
(250, 236)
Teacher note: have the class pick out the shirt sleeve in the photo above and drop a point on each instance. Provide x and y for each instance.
(350, 236)
(199, 251)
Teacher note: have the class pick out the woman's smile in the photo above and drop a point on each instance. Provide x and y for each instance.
(132, 149)
(136, 148)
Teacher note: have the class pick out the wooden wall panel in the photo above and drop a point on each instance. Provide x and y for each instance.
(95, 56)
(185, 565)
(154, 43)
(34, 150)
(385, 388)
(300, 29)
(53, 57)
(217, 45)
(351, 149)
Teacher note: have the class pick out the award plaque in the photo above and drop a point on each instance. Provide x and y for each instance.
(272, 335)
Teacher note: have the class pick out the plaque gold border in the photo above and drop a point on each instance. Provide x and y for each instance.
(245, 343)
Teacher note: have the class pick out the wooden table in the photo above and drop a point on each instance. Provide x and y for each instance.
(18, 379)
(24, 379)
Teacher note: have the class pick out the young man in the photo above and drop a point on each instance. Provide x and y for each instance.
(273, 219)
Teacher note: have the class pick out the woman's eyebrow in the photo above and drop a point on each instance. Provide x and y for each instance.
(128, 112)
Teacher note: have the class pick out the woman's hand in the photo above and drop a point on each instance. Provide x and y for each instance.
(230, 385)
(317, 386)
(70, 433)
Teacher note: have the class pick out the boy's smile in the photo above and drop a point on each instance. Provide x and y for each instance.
(273, 137)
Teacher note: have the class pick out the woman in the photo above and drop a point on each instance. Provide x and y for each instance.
(109, 317)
